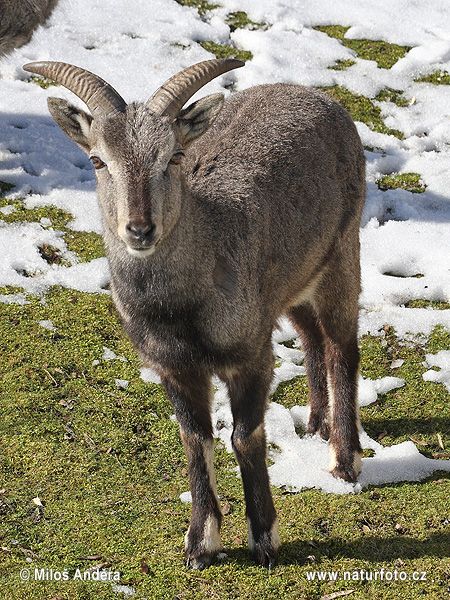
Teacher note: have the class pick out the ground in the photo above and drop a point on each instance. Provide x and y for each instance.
(91, 464)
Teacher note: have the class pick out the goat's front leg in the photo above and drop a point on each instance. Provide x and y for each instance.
(190, 396)
(248, 395)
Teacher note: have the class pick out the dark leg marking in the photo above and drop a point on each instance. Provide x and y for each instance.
(342, 365)
(336, 304)
(190, 396)
(248, 393)
(308, 327)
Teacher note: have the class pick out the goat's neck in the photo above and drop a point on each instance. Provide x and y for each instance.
(181, 260)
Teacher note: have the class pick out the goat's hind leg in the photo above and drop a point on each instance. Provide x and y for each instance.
(307, 325)
(337, 308)
(190, 396)
(248, 395)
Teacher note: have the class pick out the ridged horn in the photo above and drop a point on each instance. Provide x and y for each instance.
(98, 95)
(176, 91)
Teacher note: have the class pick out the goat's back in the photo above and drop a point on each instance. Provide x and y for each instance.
(283, 167)
(279, 146)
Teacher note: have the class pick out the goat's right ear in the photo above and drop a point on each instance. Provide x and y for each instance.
(75, 123)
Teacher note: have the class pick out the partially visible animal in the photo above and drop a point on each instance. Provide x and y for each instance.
(19, 19)
(219, 218)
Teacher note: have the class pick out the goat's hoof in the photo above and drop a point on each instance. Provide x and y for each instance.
(318, 426)
(347, 474)
(266, 557)
(200, 562)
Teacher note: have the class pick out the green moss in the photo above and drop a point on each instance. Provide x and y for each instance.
(292, 393)
(386, 55)
(240, 20)
(341, 65)
(42, 82)
(407, 181)
(406, 412)
(108, 467)
(59, 218)
(201, 5)
(5, 187)
(428, 304)
(334, 31)
(437, 78)
(439, 339)
(361, 109)
(9, 289)
(390, 95)
(87, 245)
(221, 51)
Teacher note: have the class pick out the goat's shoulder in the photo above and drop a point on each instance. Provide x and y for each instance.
(267, 135)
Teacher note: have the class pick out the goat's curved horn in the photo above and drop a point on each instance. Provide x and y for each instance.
(98, 95)
(176, 91)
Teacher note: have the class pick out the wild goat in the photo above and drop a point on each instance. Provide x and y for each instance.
(218, 219)
(19, 19)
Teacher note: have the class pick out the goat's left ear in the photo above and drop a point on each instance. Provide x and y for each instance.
(194, 120)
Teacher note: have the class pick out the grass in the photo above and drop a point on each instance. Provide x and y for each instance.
(341, 65)
(240, 20)
(203, 6)
(428, 304)
(390, 95)
(108, 468)
(361, 109)
(407, 181)
(235, 20)
(42, 82)
(385, 55)
(222, 51)
(90, 473)
(87, 245)
(437, 78)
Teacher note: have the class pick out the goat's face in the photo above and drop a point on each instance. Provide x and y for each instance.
(137, 156)
(137, 162)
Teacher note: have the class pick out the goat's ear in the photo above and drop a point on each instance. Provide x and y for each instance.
(194, 120)
(74, 122)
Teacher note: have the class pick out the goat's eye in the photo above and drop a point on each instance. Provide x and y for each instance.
(176, 158)
(97, 162)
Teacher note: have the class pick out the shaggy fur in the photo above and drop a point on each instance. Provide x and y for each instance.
(260, 218)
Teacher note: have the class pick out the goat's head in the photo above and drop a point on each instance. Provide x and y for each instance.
(136, 148)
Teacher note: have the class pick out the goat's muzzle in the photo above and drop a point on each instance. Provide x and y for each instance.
(140, 236)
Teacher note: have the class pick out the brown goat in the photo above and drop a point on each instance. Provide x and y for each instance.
(218, 219)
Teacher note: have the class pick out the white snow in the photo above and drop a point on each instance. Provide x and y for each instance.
(442, 361)
(47, 324)
(111, 355)
(405, 238)
(122, 384)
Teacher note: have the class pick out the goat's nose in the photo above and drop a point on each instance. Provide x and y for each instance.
(141, 230)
